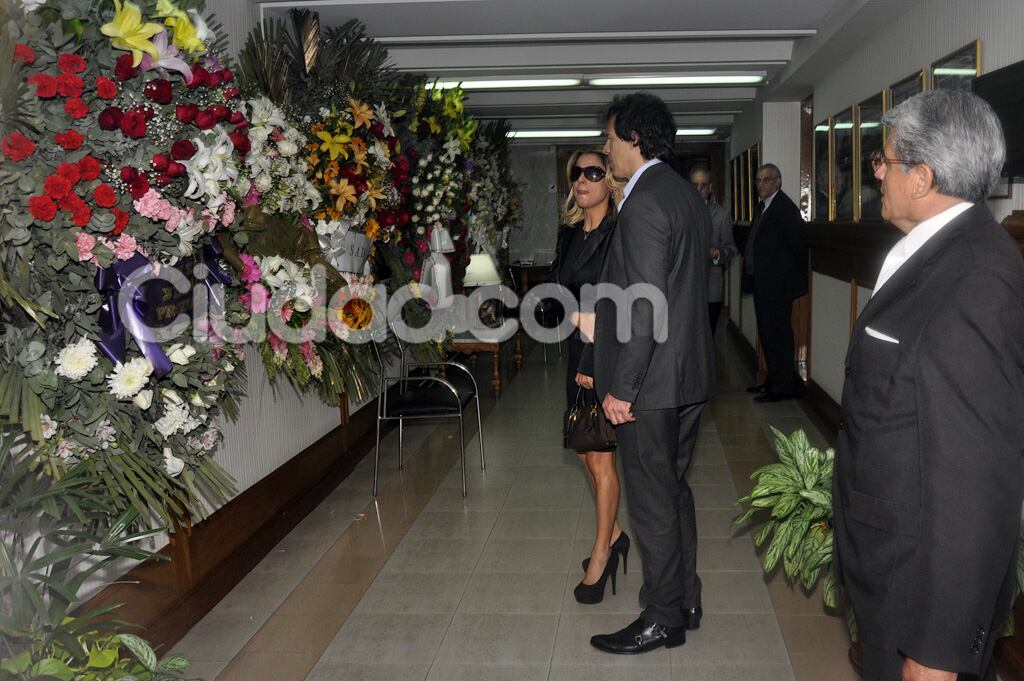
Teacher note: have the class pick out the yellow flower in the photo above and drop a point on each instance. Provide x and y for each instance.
(185, 35)
(359, 154)
(435, 126)
(453, 105)
(466, 135)
(361, 114)
(345, 192)
(334, 144)
(372, 195)
(371, 229)
(128, 32)
(166, 8)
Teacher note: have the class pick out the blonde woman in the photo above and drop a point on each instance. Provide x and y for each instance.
(589, 217)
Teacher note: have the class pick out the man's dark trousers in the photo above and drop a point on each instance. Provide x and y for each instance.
(656, 450)
(775, 328)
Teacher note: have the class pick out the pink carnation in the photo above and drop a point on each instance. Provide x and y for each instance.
(153, 206)
(252, 198)
(125, 247)
(251, 270)
(85, 243)
(278, 345)
(227, 217)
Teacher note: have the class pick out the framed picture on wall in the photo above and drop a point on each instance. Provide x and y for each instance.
(822, 204)
(904, 89)
(1003, 189)
(870, 138)
(733, 190)
(844, 194)
(754, 156)
(744, 186)
(957, 71)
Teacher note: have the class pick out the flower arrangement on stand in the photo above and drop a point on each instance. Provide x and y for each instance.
(494, 198)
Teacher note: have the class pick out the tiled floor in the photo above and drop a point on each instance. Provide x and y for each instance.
(424, 584)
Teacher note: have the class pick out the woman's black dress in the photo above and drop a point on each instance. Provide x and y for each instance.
(579, 257)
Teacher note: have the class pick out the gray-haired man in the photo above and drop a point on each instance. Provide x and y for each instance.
(723, 247)
(927, 492)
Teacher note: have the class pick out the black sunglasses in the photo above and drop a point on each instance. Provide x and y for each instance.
(592, 173)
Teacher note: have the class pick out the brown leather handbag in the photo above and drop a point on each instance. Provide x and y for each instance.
(586, 427)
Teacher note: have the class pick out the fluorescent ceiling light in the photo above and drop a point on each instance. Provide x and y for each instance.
(693, 132)
(949, 71)
(507, 84)
(551, 134)
(870, 124)
(821, 128)
(631, 81)
(843, 126)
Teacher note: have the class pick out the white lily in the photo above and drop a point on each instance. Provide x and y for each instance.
(172, 464)
(381, 112)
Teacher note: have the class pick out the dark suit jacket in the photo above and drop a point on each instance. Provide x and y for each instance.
(661, 238)
(780, 251)
(927, 487)
(585, 268)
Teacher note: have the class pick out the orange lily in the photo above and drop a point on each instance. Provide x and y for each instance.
(372, 195)
(361, 113)
(344, 192)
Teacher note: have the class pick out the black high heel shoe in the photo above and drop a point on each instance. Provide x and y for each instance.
(619, 546)
(588, 594)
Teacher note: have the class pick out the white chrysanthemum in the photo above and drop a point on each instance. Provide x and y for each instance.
(75, 361)
(126, 380)
(287, 147)
(176, 419)
(264, 183)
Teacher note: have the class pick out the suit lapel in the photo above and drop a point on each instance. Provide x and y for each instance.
(905, 277)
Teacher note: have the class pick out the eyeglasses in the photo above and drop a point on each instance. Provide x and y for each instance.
(879, 159)
(592, 173)
(764, 180)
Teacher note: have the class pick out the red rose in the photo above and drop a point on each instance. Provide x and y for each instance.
(70, 172)
(227, 75)
(241, 142)
(70, 63)
(175, 169)
(159, 91)
(105, 88)
(186, 113)
(110, 118)
(416, 273)
(163, 178)
(89, 167)
(205, 119)
(138, 187)
(159, 162)
(42, 208)
(144, 109)
(128, 174)
(17, 147)
(232, 93)
(378, 130)
(221, 112)
(133, 124)
(56, 187)
(200, 77)
(81, 217)
(24, 53)
(104, 196)
(236, 118)
(69, 140)
(46, 85)
(121, 218)
(124, 70)
(214, 79)
(76, 108)
(183, 150)
(409, 258)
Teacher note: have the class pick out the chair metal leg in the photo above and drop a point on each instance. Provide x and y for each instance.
(376, 458)
(462, 452)
(401, 430)
(480, 433)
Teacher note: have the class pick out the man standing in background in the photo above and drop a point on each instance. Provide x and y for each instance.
(723, 248)
(775, 257)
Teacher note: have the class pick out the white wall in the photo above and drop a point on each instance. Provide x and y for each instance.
(534, 167)
(237, 17)
(830, 332)
(780, 143)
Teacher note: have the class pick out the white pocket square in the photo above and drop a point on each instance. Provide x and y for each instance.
(880, 336)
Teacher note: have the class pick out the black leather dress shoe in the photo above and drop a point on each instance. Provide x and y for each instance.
(693, 617)
(639, 637)
(772, 396)
(763, 388)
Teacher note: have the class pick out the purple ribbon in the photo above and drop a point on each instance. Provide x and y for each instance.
(211, 256)
(109, 282)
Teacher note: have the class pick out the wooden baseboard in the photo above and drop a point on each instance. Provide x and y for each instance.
(166, 598)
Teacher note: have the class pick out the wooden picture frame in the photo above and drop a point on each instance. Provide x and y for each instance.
(1003, 189)
(843, 188)
(958, 69)
(821, 177)
(870, 136)
(904, 89)
(754, 160)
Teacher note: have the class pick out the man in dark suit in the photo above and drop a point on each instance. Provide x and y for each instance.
(927, 489)
(654, 368)
(775, 258)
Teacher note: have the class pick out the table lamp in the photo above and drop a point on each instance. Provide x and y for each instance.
(481, 271)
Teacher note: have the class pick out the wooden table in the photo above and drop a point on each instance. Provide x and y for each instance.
(471, 345)
(527, 275)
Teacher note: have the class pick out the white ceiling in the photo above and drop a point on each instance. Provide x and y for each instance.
(457, 39)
